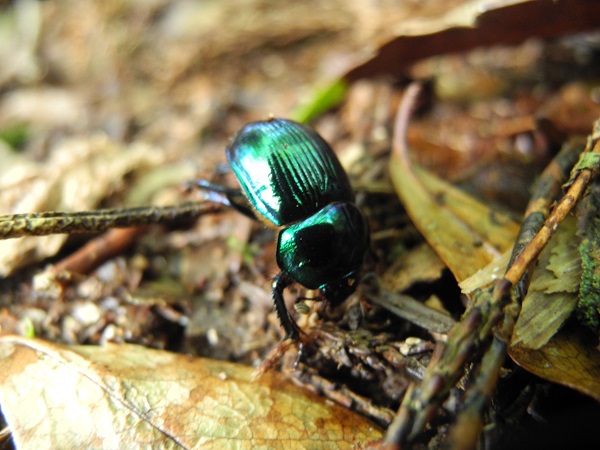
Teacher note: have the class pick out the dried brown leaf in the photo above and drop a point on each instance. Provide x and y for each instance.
(419, 265)
(105, 397)
(569, 358)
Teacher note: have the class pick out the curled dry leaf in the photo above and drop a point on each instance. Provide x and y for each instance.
(103, 397)
(471, 24)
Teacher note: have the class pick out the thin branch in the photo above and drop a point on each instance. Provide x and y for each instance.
(46, 223)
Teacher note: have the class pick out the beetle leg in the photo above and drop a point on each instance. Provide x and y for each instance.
(233, 198)
(280, 282)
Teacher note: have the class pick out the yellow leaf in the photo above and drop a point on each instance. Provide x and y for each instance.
(464, 232)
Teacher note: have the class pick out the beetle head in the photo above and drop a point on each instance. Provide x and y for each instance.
(339, 290)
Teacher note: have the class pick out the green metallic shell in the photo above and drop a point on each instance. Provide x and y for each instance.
(325, 248)
(287, 171)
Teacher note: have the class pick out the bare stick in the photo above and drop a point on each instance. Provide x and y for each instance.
(46, 223)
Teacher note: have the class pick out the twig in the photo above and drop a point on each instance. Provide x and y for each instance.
(98, 250)
(46, 223)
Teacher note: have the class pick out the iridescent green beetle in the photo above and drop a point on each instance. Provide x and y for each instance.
(295, 183)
